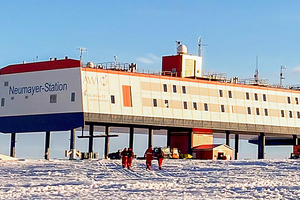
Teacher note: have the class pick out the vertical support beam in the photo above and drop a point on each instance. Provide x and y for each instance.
(190, 149)
(150, 138)
(72, 139)
(13, 145)
(106, 150)
(295, 140)
(261, 146)
(131, 137)
(236, 146)
(169, 137)
(227, 138)
(91, 138)
(47, 145)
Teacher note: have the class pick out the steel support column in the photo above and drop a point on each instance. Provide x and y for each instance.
(150, 138)
(236, 146)
(227, 138)
(72, 139)
(13, 145)
(190, 149)
(91, 138)
(169, 137)
(106, 150)
(131, 132)
(47, 145)
(261, 146)
(295, 140)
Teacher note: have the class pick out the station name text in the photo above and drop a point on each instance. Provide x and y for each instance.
(46, 87)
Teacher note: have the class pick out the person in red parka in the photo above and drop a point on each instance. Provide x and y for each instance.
(160, 157)
(129, 158)
(149, 157)
(124, 156)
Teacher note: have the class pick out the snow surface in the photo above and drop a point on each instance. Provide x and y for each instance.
(179, 179)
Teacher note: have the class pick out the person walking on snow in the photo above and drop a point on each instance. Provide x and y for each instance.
(124, 156)
(160, 157)
(149, 157)
(130, 157)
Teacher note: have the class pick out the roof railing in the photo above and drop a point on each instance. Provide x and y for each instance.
(211, 76)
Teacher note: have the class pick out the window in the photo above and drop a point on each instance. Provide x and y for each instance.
(112, 99)
(249, 110)
(257, 111)
(247, 95)
(222, 108)
(289, 99)
(174, 89)
(155, 102)
(26, 97)
(229, 94)
(183, 90)
(205, 107)
(298, 114)
(166, 103)
(255, 96)
(165, 88)
(2, 102)
(266, 112)
(184, 105)
(291, 114)
(221, 93)
(282, 113)
(73, 96)
(296, 100)
(195, 105)
(264, 97)
(232, 109)
(12, 98)
(5, 83)
(53, 98)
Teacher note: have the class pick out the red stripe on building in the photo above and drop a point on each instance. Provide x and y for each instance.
(202, 131)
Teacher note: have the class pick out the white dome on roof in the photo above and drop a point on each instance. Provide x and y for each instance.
(182, 49)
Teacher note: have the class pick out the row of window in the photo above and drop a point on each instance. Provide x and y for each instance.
(282, 112)
(264, 96)
(53, 98)
(165, 87)
(195, 107)
(257, 110)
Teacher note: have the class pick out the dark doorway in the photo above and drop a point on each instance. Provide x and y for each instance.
(220, 155)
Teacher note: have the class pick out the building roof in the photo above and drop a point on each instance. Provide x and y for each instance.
(210, 146)
(40, 66)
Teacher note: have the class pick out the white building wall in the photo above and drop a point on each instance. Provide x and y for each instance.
(145, 88)
(33, 103)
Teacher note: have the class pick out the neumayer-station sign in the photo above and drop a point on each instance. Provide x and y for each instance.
(34, 89)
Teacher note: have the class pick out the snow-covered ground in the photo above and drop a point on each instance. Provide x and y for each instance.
(179, 179)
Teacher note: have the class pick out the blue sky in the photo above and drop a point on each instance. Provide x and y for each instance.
(235, 32)
(142, 31)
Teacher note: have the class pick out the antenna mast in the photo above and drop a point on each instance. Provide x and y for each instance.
(81, 50)
(199, 46)
(281, 74)
(256, 75)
